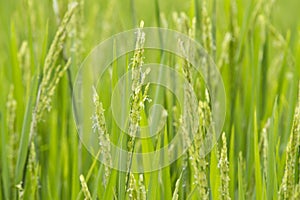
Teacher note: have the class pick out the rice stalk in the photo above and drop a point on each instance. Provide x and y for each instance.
(207, 36)
(33, 170)
(264, 144)
(286, 189)
(224, 57)
(184, 24)
(142, 189)
(205, 122)
(207, 42)
(52, 73)
(132, 189)
(187, 69)
(24, 61)
(76, 33)
(185, 157)
(256, 11)
(138, 76)
(242, 53)
(188, 116)
(196, 151)
(230, 40)
(137, 99)
(84, 188)
(234, 27)
(268, 7)
(280, 43)
(136, 189)
(163, 20)
(11, 106)
(99, 126)
(296, 194)
(176, 190)
(224, 171)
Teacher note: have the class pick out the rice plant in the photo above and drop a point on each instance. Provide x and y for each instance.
(255, 45)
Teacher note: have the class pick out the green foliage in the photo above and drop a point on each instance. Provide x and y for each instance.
(256, 46)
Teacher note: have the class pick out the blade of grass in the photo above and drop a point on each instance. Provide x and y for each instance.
(258, 177)
(232, 164)
(24, 142)
(5, 179)
(272, 184)
(240, 177)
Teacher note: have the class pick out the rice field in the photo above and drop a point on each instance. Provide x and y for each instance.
(67, 133)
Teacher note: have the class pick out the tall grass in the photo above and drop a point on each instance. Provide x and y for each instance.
(256, 47)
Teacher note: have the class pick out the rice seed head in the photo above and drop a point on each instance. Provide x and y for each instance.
(189, 106)
(142, 188)
(176, 190)
(51, 72)
(11, 106)
(268, 7)
(58, 42)
(180, 21)
(48, 90)
(196, 150)
(138, 97)
(24, 62)
(286, 189)
(33, 171)
(296, 194)
(280, 43)
(234, 20)
(20, 190)
(186, 26)
(76, 32)
(138, 59)
(132, 187)
(205, 116)
(186, 67)
(224, 57)
(32, 158)
(164, 21)
(207, 37)
(207, 42)
(199, 165)
(197, 162)
(224, 171)
(265, 145)
(204, 126)
(99, 126)
(84, 188)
